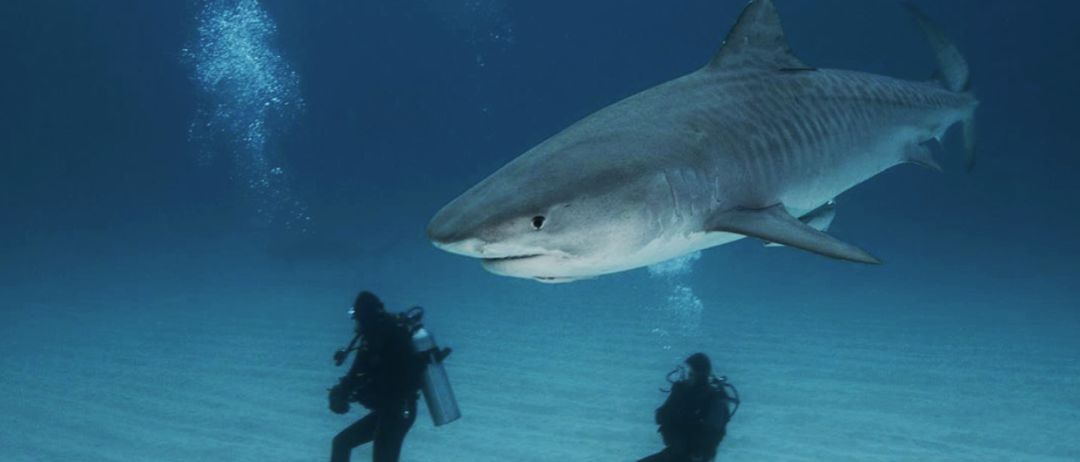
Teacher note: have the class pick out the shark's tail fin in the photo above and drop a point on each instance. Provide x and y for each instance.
(954, 73)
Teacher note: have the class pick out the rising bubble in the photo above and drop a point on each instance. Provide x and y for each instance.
(249, 94)
(677, 320)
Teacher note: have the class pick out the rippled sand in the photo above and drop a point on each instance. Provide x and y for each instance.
(173, 359)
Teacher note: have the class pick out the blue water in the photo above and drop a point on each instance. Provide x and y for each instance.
(193, 192)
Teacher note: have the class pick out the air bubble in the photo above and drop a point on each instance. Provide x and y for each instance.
(678, 319)
(249, 96)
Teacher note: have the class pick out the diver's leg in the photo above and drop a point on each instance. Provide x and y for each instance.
(352, 436)
(662, 456)
(681, 449)
(390, 434)
(658, 457)
(707, 452)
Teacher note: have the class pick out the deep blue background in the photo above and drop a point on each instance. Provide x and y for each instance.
(96, 103)
(147, 313)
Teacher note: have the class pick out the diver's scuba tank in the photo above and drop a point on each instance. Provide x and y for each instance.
(437, 392)
(441, 403)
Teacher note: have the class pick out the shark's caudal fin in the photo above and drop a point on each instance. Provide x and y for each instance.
(953, 66)
(954, 73)
(756, 41)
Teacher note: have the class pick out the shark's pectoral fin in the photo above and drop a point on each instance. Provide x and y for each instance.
(820, 219)
(757, 41)
(775, 224)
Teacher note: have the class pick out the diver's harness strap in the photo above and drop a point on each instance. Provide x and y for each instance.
(410, 319)
(717, 383)
(733, 397)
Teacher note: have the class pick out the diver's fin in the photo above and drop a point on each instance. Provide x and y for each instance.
(756, 41)
(775, 224)
(953, 72)
(919, 154)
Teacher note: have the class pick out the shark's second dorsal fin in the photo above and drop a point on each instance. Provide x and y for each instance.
(757, 40)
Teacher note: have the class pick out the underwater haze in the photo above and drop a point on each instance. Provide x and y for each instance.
(193, 192)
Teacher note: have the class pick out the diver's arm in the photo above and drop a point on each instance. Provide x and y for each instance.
(361, 361)
(347, 385)
(662, 412)
(674, 401)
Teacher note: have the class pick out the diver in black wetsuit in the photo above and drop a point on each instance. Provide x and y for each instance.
(385, 378)
(693, 420)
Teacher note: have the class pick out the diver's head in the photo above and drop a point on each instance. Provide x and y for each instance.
(366, 309)
(700, 367)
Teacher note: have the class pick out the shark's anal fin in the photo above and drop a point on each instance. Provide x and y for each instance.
(775, 224)
(757, 41)
(920, 154)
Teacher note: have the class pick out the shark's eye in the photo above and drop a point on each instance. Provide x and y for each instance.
(538, 222)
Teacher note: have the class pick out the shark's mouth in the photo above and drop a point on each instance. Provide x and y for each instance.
(511, 258)
(554, 279)
(544, 267)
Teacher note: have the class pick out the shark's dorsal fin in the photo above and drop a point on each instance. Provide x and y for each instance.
(756, 41)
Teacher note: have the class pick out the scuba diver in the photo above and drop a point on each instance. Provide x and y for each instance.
(395, 359)
(693, 420)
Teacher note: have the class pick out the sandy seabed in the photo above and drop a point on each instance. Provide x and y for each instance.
(174, 358)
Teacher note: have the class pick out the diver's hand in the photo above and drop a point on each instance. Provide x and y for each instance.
(340, 356)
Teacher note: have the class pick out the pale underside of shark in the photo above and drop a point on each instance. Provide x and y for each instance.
(755, 144)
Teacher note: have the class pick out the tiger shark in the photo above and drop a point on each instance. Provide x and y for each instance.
(754, 144)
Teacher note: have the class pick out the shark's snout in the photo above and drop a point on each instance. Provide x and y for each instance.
(487, 251)
(469, 247)
(449, 231)
(446, 232)
(440, 230)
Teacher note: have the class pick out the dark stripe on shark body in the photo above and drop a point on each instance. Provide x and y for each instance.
(747, 132)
